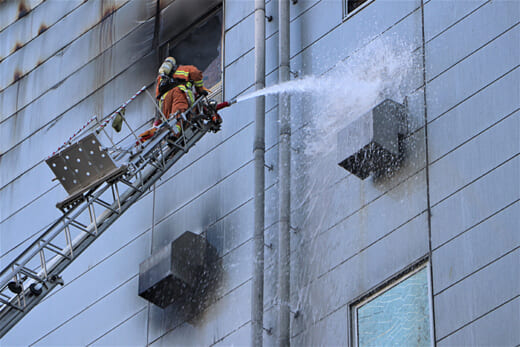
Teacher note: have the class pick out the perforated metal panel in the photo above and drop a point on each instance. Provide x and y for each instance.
(81, 164)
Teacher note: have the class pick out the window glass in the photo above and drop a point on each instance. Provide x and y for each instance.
(400, 316)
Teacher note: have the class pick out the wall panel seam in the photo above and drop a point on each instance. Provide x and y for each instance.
(365, 205)
(479, 317)
(475, 180)
(512, 114)
(42, 95)
(195, 315)
(361, 250)
(474, 52)
(18, 19)
(478, 270)
(369, 41)
(457, 22)
(478, 223)
(473, 94)
(117, 326)
(84, 309)
(48, 27)
(68, 44)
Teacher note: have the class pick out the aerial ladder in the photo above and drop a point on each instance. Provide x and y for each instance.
(89, 173)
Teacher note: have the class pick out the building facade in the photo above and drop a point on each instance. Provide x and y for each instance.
(428, 252)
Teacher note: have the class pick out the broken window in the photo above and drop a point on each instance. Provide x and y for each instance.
(202, 46)
(398, 314)
(350, 5)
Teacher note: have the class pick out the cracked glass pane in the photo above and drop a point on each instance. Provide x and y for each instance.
(398, 317)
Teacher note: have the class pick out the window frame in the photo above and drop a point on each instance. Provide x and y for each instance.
(347, 15)
(400, 277)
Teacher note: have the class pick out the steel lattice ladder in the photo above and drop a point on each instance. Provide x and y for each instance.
(36, 271)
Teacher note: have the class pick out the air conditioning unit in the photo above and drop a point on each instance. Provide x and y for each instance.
(371, 142)
(184, 268)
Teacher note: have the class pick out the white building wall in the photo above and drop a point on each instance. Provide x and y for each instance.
(352, 235)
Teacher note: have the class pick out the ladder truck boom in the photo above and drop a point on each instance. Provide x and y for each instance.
(36, 271)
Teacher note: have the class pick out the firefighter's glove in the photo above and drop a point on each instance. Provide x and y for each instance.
(203, 92)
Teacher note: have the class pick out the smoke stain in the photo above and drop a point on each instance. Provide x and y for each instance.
(22, 10)
(42, 29)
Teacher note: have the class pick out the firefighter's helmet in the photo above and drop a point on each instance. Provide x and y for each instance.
(168, 66)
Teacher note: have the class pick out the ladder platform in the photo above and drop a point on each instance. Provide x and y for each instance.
(78, 196)
(83, 166)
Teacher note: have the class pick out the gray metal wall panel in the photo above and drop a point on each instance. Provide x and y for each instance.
(33, 24)
(473, 73)
(473, 159)
(21, 192)
(497, 328)
(83, 50)
(102, 101)
(203, 175)
(472, 299)
(313, 24)
(326, 52)
(10, 11)
(72, 90)
(18, 191)
(474, 115)
(220, 320)
(475, 202)
(29, 221)
(439, 14)
(239, 40)
(203, 210)
(45, 46)
(447, 49)
(358, 275)
(330, 331)
(239, 76)
(107, 312)
(415, 109)
(235, 11)
(231, 230)
(478, 246)
(368, 225)
(98, 285)
(132, 332)
(238, 337)
(354, 230)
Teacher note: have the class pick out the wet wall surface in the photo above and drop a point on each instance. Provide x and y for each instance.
(351, 235)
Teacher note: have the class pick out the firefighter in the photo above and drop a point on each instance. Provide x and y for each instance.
(174, 92)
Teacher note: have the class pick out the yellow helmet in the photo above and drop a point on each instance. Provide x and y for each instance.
(167, 66)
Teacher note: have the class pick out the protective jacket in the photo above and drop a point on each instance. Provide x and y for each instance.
(175, 94)
(183, 74)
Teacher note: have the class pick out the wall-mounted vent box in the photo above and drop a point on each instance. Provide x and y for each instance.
(177, 270)
(371, 142)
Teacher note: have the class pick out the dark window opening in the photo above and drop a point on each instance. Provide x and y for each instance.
(353, 4)
(202, 47)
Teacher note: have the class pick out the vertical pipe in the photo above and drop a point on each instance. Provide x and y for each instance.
(257, 286)
(284, 165)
